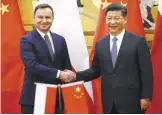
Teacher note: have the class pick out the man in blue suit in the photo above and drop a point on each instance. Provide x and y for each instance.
(44, 55)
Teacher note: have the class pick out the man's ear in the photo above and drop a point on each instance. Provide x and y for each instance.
(125, 20)
(34, 16)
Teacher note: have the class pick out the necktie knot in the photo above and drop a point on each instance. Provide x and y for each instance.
(46, 37)
(114, 39)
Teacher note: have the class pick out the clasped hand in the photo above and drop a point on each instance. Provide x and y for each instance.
(67, 76)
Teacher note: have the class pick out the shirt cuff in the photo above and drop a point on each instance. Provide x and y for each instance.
(58, 74)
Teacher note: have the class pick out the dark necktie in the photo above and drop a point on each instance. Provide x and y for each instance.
(114, 51)
(49, 46)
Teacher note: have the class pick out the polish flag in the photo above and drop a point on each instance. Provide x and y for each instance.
(45, 98)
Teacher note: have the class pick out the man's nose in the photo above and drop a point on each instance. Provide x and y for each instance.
(44, 20)
(112, 21)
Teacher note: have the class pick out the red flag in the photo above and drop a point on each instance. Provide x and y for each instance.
(134, 25)
(75, 98)
(156, 104)
(50, 100)
(12, 68)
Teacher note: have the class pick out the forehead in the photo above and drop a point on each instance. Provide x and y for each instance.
(114, 13)
(43, 11)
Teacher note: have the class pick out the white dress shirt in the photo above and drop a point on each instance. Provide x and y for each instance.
(118, 42)
(50, 38)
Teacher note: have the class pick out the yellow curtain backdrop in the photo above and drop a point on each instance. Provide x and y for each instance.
(26, 11)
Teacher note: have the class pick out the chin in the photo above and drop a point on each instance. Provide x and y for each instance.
(44, 28)
(113, 31)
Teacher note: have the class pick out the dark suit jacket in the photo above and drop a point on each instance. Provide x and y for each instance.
(39, 66)
(130, 79)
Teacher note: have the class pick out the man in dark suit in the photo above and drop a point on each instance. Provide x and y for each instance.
(122, 59)
(44, 55)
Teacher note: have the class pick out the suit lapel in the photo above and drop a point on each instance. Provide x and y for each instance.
(106, 47)
(42, 44)
(54, 38)
(124, 46)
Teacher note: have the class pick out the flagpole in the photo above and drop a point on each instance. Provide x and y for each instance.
(60, 100)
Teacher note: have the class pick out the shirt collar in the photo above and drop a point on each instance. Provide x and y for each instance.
(43, 34)
(119, 36)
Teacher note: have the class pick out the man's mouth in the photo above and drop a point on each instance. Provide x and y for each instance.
(113, 27)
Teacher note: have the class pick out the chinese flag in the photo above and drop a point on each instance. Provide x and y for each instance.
(75, 98)
(156, 104)
(12, 68)
(134, 25)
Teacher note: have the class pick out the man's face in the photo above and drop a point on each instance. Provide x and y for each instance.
(115, 22)
(43, 19)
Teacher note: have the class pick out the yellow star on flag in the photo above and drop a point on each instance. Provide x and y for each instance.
(78, 94)
(3, 8)
(78, 89)
(105, 4)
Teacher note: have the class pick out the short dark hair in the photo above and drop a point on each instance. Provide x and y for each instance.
(42, 6)
(116, 7)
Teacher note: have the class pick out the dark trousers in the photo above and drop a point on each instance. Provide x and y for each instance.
(59, 107)
(27, 109)
(113, 110)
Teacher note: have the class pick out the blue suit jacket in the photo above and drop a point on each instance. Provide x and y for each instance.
(39, 66)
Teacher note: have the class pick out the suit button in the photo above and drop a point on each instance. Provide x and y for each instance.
(113, 73)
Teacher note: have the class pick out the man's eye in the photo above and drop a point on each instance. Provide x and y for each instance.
(40, 17)
(48, 17)
(116, 18)
(108, 18)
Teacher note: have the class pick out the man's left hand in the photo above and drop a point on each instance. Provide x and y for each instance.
(144, 104)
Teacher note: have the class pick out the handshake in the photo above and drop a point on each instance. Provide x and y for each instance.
(67, 76)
